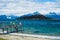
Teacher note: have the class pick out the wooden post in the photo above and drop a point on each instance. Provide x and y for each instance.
(14, 25)
(7, 29)
(11, 29)
(21, 27)
(16, 28)
(3, 30)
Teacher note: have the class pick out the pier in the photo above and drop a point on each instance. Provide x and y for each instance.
(12, 27)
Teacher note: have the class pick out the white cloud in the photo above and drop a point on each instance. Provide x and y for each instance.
(20, 7)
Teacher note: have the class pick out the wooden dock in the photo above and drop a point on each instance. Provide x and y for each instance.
(13, 27)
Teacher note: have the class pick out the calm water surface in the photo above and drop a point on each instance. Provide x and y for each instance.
(43, 27)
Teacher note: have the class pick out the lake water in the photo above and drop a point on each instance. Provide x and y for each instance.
(39, 27)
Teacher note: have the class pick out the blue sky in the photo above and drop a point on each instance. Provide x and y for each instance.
(21, 7)
(43, 0)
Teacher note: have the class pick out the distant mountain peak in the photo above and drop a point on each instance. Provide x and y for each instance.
(36, 13)
(52, 13)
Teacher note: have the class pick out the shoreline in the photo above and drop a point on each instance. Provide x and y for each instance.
(11, 37)
(20, 36)
(38, 36)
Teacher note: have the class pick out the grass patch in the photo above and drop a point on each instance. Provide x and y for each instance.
(2, 39)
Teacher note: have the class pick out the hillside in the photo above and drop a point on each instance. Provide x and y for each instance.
(35, 15)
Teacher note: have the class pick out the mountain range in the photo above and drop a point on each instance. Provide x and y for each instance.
(34, 15)
(5, 17)
(53, 15)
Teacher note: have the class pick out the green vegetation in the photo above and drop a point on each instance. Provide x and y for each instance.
(2, 39)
